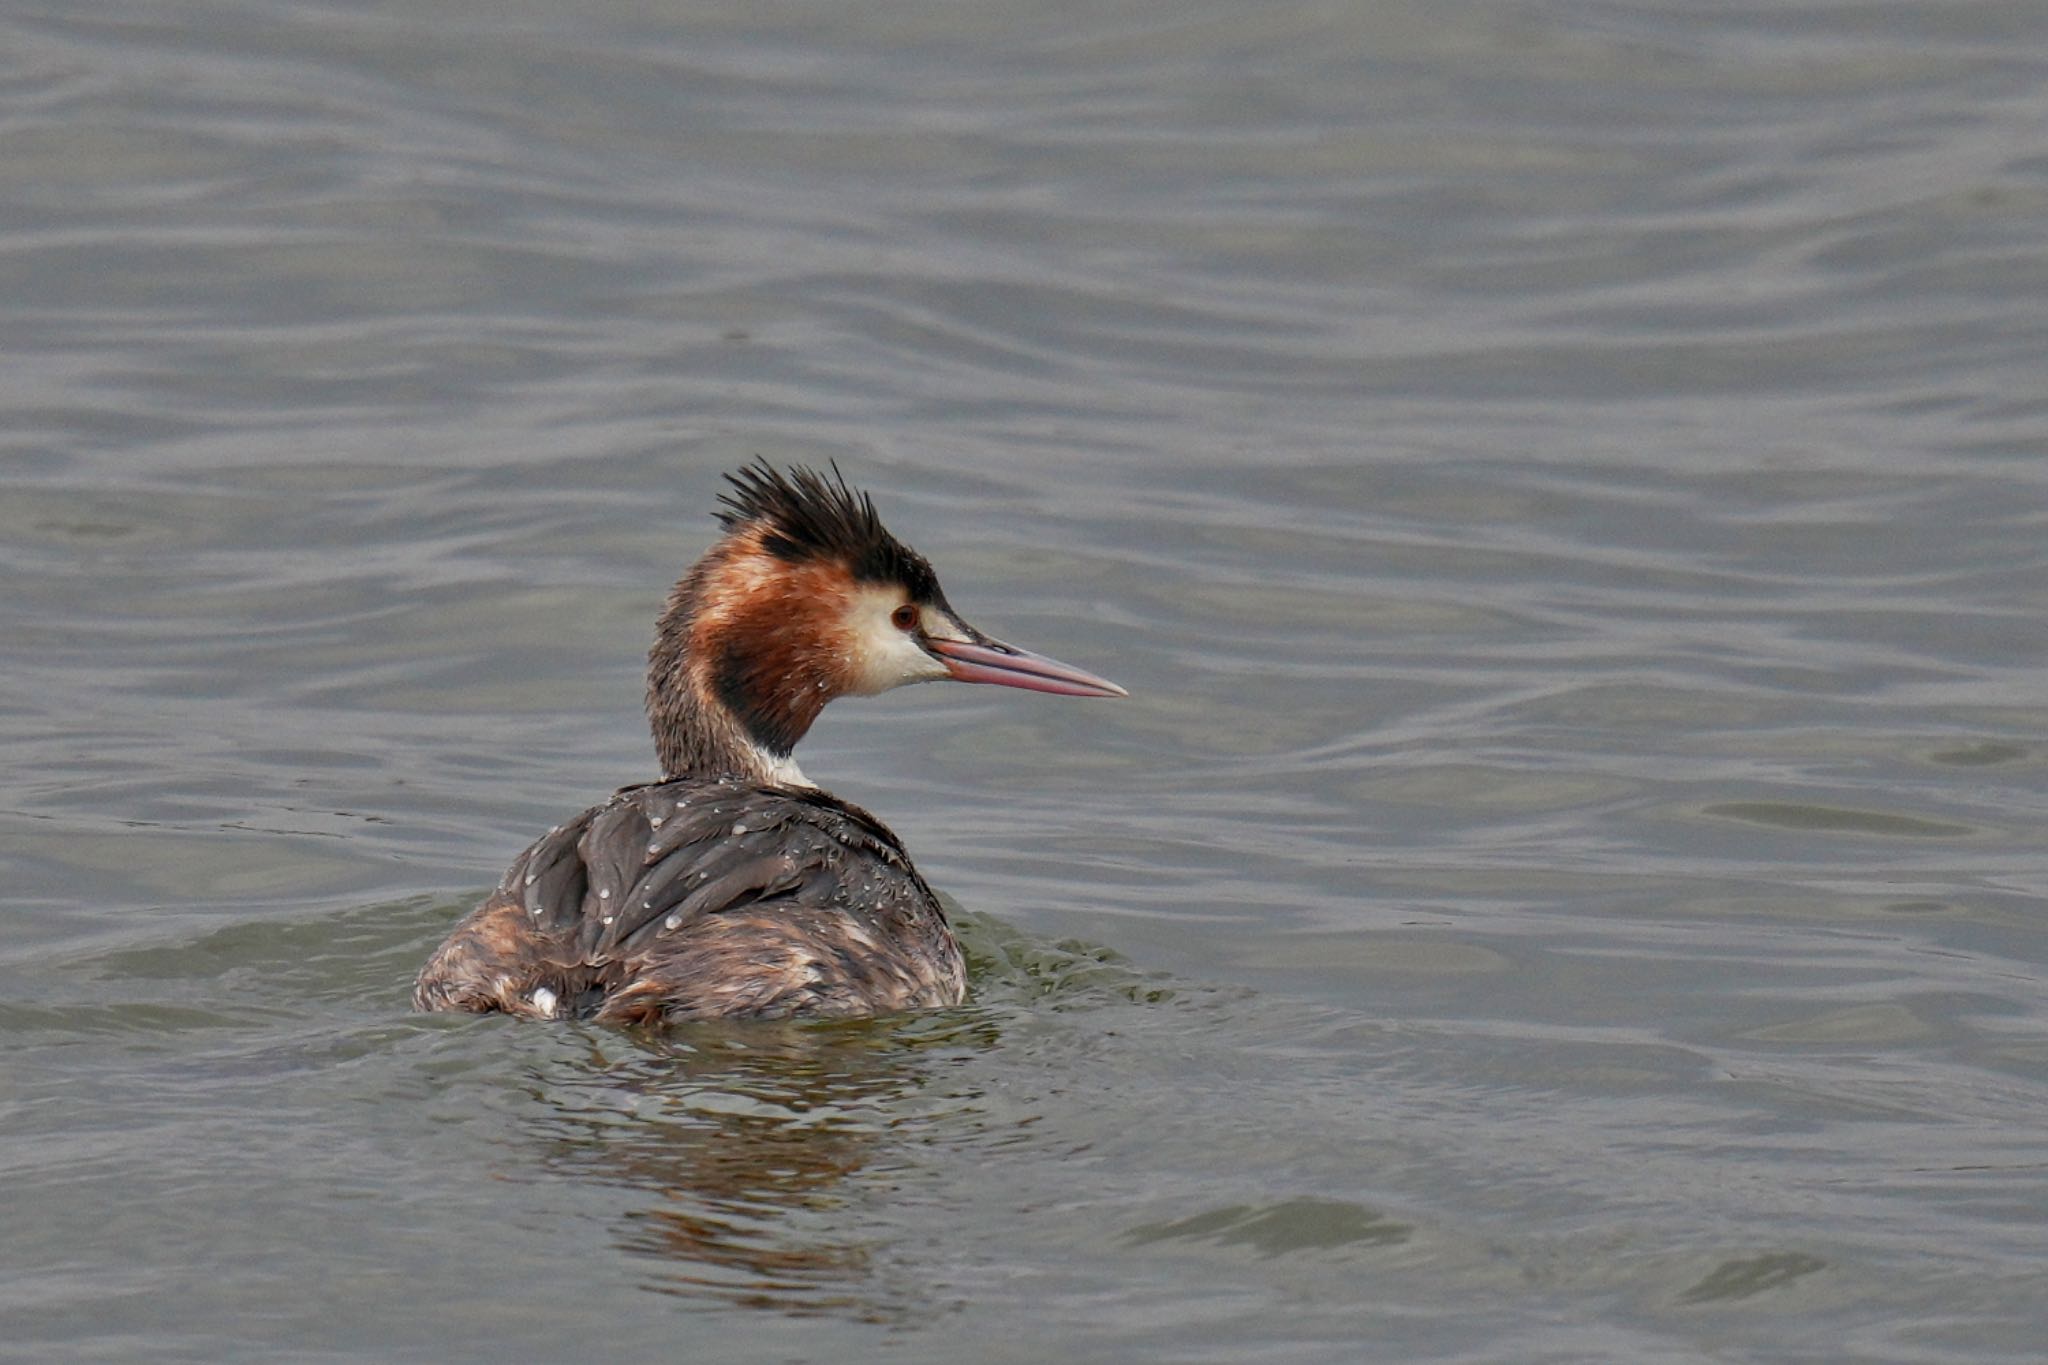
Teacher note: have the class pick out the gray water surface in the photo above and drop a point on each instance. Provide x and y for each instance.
(1564, 485)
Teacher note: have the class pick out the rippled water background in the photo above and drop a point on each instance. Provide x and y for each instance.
(1564, 484)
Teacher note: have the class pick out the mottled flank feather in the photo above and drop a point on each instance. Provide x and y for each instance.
(703, 897)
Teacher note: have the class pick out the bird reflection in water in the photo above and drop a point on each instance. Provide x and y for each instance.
(747, 1139)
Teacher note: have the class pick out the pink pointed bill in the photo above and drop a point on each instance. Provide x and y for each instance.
(1009, 666)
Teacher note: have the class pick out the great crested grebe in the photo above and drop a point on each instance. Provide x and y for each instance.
(734, 886)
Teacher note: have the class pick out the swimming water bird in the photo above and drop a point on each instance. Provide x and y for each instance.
(734, 886)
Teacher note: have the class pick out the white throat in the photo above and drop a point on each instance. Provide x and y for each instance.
(783, 771)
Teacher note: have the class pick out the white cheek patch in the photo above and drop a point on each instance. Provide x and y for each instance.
(883, 655)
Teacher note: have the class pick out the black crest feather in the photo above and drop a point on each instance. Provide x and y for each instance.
(805, 515)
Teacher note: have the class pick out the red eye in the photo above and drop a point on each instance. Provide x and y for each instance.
(904, 617)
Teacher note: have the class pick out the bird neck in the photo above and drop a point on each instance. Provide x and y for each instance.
(719, 700)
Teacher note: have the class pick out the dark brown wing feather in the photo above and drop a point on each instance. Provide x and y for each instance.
(701, 897)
